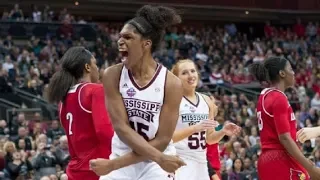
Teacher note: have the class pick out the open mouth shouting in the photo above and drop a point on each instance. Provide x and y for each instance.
(124, 55)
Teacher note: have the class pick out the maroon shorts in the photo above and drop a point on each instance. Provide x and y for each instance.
(279, 165)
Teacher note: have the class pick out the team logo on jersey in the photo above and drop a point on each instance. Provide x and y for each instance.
(125, 85)
(131, 92)
(192, 109)
(302, 176)
(296, 174)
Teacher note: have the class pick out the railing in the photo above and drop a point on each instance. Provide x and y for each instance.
(25, 29)
(49, 111)
(5, 105)
(230, 89)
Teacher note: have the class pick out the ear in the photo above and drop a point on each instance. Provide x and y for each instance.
(148, 44)
(87, 68)
(282, 73)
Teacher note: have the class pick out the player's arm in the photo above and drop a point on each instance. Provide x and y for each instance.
(101, 120)
(280, 114)
(120, 121)
(212, 136)
(168, 120)
(308, 133)
(181, 134)
(169, 112)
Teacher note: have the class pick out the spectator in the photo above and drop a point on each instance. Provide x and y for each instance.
(62, 152)
(22, 135)
(16, 13)
(20, 167)
(44, 162)
(315, 102)
(36, 14)
(55, 132)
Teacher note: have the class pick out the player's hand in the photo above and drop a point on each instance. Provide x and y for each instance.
(101, 166)
(231, 129)
(305, 134)
(170, 163)
(314, 173)
(205, 125)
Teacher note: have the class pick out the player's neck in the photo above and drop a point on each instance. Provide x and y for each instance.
(145, 68)
(189, 93)
(280, 86)
(85, 79)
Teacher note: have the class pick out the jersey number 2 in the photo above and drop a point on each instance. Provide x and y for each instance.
(260, 122)
(70, 119)
(197, 140)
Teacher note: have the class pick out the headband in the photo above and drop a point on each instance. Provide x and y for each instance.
(141, 24)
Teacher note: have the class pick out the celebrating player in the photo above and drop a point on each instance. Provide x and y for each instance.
(143, 102)
(280, 158)
(195, 126)
(82, 111)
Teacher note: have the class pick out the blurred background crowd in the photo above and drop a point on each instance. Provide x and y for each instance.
(32, 143)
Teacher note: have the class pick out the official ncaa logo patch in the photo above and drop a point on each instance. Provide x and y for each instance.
(131, 92)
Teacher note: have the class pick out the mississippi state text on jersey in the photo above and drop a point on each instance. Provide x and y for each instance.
(193, 147)
(143, 105)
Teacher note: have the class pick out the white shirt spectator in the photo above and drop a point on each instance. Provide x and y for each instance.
(315, 102)
(8, 64)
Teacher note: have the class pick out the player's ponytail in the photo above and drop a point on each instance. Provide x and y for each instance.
(73, 63)
(259, 71)
(59, 86)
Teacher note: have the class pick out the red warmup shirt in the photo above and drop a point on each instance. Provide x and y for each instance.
(88, 128)
(275, 117)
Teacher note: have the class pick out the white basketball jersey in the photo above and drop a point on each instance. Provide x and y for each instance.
(193, 147)
(143, 105)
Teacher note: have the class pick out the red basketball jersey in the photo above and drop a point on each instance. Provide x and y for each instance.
(213, 155)
(87, 125)
(275, 117)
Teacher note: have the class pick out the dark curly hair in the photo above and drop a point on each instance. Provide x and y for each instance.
(268, 71)
(152, 21)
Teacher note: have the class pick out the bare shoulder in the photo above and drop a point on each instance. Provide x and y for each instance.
(112, 71)
(173, 82)
(207, 99)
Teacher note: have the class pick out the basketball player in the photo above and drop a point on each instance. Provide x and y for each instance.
(308, 133)
(143, 102)
(82, 112)
(195, 126)
(280, 158)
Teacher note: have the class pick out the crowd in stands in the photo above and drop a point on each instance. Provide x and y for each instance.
(32, 148)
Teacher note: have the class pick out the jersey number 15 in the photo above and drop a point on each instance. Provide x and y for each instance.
(140, 128)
